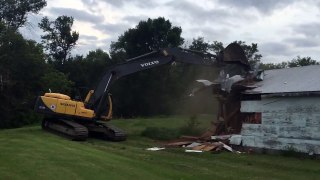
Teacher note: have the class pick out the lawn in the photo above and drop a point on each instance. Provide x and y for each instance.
(30, 153)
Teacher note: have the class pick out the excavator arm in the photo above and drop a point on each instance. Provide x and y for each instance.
(99, 99)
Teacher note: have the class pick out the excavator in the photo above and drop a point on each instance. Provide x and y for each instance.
(77, 120)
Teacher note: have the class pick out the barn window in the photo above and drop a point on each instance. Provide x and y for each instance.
(252, 118)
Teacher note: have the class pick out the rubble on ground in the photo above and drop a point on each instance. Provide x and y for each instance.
(229, 143)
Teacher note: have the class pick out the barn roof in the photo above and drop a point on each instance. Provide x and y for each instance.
(289, 80)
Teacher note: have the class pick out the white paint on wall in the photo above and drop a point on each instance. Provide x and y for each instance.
(287, 122)
(251, 106)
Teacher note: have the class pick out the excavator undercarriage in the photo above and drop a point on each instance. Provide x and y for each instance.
(65, 128)
(81, 130)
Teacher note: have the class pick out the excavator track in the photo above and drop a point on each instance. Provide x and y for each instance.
(66, 128)
(103, 130)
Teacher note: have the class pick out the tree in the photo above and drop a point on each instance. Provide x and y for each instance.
(57, 82)
(14, 12)
(86, 72)
(216, 47)
(59, 39)
(199, 44)
(251, 52)
(200, 72)
(149, 92)
(268, 66)
(22, 64)
(296, 62)
(147, 36)
(302, 61)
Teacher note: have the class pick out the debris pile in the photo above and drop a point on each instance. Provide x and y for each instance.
(215, 144)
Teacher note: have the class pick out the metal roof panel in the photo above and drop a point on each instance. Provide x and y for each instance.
(288, 80)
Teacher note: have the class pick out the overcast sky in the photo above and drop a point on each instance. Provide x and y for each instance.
(283, 29)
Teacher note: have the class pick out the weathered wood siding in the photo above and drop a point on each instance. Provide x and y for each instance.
(287, 123)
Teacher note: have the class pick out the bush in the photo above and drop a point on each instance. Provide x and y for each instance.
(291, 152)
(192, 127)
(19, 119)
(160, 133)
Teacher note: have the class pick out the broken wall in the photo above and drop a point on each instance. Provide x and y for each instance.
(287, 123)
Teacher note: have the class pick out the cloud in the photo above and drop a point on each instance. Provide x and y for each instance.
(197, 13)
(134, 19)
(122, 3)
(263, 6)
(274, 48)
(192, 14)
(145, 3)
(77, 14)
(83, 49)
(31, 29)
(281, 28)
(89, 38)
(84, 46)
(309, 29)
(302, 42)
(90, 2)
(111, 28)
(116, 3)
(210, 34)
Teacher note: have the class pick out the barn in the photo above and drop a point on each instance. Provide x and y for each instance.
(282, 112)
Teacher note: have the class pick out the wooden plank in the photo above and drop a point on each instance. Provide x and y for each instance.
(200, 147)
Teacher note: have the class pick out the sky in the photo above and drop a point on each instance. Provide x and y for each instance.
(283, 29)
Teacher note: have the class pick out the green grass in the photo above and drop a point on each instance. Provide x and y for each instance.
(30, 153)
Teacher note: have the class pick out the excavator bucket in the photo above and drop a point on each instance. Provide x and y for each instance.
(234, 53)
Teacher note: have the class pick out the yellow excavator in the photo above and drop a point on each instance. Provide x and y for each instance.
(77, 120)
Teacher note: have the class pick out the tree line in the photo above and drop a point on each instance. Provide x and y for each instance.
(29, 69)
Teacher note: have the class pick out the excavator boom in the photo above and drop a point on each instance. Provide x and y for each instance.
(233, 54)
